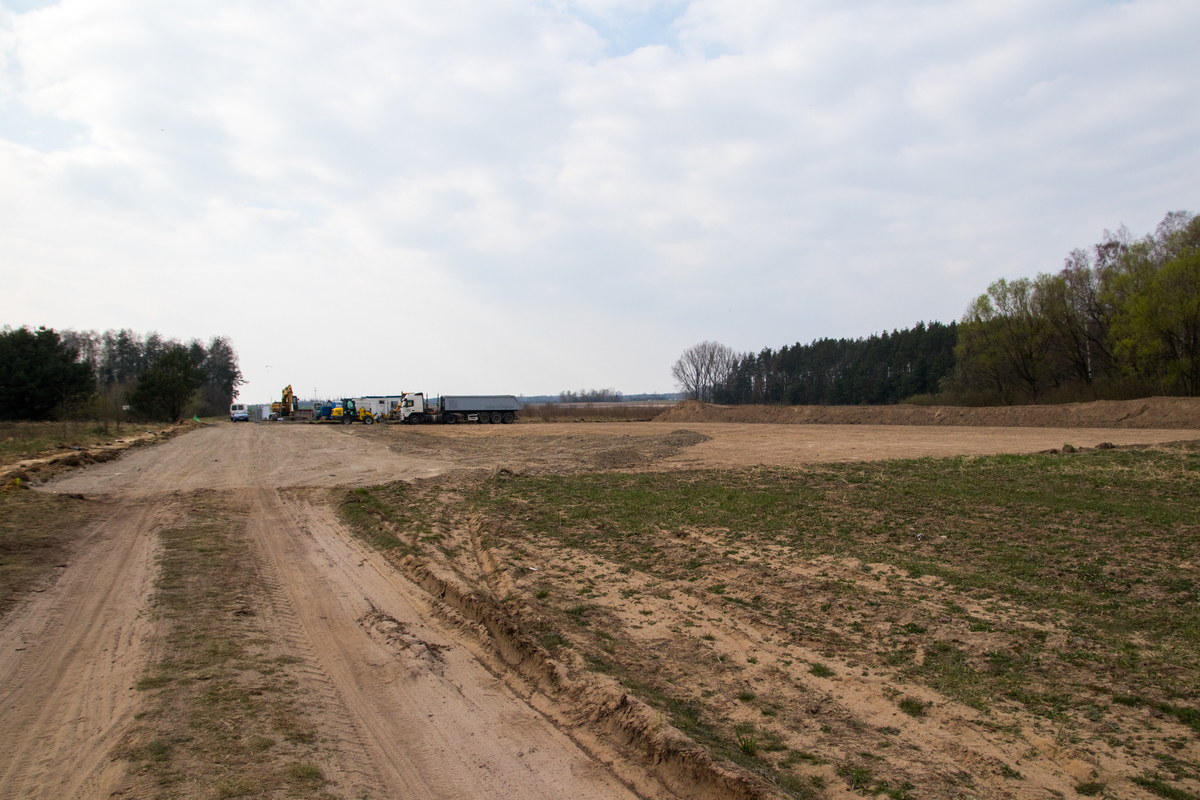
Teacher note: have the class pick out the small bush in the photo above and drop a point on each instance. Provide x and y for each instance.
(912, 706)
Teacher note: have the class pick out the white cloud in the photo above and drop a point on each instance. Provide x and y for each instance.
(567, 194)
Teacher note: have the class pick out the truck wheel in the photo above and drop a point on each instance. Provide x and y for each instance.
(509, 418)
(481, 418)
(450, 419)
(497, 417)
(415, 419)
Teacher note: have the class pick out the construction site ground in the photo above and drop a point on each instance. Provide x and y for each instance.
(407, 687)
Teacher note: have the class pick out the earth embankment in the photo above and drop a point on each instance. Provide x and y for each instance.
(1150, 412)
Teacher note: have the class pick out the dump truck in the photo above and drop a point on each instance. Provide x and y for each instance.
(449, 409)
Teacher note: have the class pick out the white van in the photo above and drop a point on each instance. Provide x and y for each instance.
(238, 413)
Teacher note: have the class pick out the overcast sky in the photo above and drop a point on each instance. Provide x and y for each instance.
(527, 197)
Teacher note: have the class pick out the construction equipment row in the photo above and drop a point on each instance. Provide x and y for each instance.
(409, 407)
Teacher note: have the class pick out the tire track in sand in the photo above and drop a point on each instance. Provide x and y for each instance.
(69, 661)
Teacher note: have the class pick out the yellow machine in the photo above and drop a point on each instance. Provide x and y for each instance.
(339, 414)
(287, 405)
(346, 412)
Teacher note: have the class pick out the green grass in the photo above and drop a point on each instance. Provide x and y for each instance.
(821, 671)
(1157, 786)
(1092, 538)
(912, 706)
(378, 514)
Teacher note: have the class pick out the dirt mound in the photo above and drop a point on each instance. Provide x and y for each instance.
(1150, 412)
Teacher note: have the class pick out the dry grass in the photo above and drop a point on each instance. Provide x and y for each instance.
(593, 412)
(225, 716)
(36, 534)
(20, 440)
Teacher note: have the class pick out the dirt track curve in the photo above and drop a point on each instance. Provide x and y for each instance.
(413, 707)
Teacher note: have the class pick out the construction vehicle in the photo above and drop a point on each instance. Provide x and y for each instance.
(346, 411)
(493, 408)
(287, 405)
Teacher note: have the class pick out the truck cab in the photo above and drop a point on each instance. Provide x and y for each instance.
(412, 408)
(450, 409)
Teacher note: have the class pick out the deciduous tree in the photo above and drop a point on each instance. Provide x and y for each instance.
(1005, 338)
(703, 369)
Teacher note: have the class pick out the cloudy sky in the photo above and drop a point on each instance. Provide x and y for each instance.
(526, 197)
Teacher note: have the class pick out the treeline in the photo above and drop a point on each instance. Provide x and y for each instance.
(590, 396)
(882, 368)
(45, 373)
(1120, 320)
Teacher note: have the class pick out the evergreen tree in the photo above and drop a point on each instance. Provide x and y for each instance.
(39, 374)
(164, 390)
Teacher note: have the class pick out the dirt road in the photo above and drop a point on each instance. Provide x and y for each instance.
(69, 658)
(410, 704)
(392, 682)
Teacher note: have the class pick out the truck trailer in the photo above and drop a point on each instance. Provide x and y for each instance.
(449, 409)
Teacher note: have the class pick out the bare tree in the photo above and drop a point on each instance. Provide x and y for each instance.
(704, 367)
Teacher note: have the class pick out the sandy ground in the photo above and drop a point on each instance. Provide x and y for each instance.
(416, 706)
(390, 679)
(69, 658)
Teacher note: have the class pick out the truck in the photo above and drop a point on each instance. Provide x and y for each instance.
(345, 412)
(449, 409)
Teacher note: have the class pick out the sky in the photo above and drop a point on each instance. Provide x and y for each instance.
(529, 197)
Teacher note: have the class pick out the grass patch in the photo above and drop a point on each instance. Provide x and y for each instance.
(223, 715)
(37, 532)
(820, 670)
(378, 516)
(1157, 786)
(22, 440)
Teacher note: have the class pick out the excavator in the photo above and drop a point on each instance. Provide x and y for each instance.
(287, 406)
